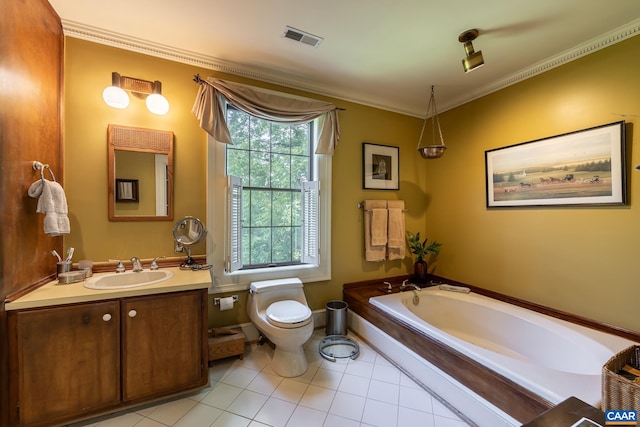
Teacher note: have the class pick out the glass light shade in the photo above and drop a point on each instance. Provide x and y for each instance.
(115, 97)
(157, 104)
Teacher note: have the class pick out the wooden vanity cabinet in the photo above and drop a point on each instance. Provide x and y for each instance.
(65, 361)
(164, 352)
(76, 361)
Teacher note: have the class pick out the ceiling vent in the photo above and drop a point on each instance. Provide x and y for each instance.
(302, 37)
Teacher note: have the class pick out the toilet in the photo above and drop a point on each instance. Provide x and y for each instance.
(278, 308)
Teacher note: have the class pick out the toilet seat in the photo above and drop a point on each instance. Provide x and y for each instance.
(288, 314)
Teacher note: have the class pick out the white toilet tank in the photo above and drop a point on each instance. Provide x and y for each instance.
(265, 292)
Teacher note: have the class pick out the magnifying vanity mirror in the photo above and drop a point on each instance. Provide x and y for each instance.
(140, 172)
(189, 231)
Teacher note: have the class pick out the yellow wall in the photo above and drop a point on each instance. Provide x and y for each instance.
(88, 68)
(581, 260)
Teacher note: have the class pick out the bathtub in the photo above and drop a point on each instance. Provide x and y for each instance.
(552, 358)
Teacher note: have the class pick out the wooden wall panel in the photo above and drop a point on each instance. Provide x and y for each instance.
(31, 78)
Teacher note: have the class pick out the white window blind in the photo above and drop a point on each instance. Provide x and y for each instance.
(310, 222)
(234, 224)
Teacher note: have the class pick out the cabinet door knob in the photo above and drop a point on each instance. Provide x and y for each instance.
(132, 313)
(106, 317)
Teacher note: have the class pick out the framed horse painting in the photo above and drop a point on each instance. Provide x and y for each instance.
(585, 167)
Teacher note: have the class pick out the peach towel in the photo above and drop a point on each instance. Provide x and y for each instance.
(373, 252)
(378, 227)
(396, 230)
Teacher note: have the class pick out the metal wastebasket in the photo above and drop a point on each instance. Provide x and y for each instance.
(336, 318)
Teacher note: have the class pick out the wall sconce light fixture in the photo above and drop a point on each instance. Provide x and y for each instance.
(472, 59)
(116, 96)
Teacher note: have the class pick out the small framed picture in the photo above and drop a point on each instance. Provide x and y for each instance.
(126, 190)
(380, 167)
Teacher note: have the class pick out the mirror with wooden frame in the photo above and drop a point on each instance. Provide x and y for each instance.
(140, 174)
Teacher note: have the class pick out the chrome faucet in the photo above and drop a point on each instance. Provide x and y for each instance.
(120, 267)
(406, 285)
(137, 265)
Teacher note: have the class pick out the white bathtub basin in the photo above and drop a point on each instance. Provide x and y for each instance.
(553, 358)
(128, 279)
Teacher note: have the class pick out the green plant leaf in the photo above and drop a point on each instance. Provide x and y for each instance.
(420, 248)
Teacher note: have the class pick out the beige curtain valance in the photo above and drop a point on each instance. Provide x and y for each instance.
(266, 105)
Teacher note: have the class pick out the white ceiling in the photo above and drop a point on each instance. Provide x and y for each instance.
(381, 53)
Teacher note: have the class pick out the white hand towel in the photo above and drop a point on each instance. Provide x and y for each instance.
(53, 203)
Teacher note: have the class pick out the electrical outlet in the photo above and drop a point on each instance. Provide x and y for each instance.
(177, 247)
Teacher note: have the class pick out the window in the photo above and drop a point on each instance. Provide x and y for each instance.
(273, 163)
(277, 221)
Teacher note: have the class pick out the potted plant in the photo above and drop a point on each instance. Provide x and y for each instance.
(421, 250)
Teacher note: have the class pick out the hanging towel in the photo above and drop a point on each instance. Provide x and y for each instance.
(378, 227)
(373, 252)
(396, 239)
(52, 202)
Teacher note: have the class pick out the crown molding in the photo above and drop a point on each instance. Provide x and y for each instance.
(118, 40)
(122, 41)
(605, 40)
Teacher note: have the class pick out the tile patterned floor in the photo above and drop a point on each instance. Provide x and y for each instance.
(367, 391)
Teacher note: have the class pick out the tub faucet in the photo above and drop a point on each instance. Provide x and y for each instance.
(137, 264)
(406, 285)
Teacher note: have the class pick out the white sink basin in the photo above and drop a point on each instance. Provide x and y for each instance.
(128, 279)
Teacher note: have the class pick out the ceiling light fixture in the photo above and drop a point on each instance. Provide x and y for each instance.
(116, 95)
(433, 151)
(473, 59)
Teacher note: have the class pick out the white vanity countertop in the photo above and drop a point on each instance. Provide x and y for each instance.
(54, 294)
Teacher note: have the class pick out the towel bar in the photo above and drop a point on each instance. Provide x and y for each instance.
(361, 206)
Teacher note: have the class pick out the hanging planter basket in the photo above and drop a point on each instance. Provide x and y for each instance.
(433, 151)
